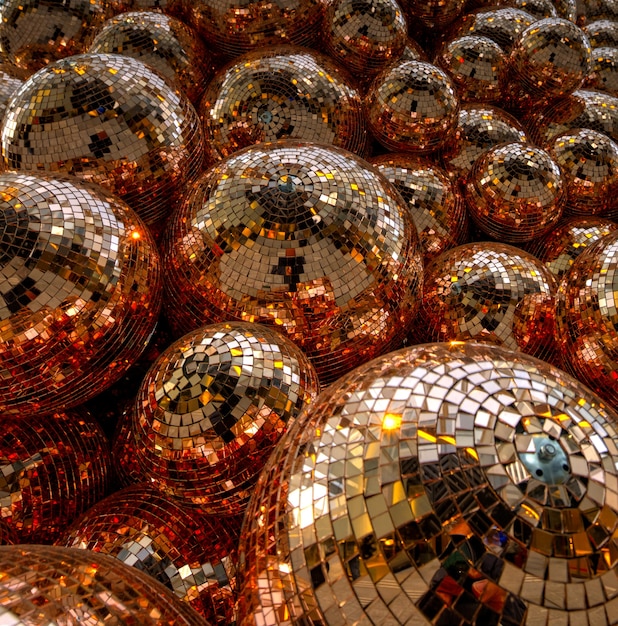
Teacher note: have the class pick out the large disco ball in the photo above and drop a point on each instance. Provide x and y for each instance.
(53, 469)
(59, 586)
(80, 291)
(108, 119)
(282, 92)
(303, 236)
(442, 484)
(189, 553)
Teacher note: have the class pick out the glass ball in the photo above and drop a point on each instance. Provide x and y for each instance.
(413, 107)
(434, 14)
(162, 42)
(282, 93)
(303, 236)
(452, 483)
(435, 203)
(54, 468)
(108, 119)
(191, 554)
(54, 585)
(604, 70)
(602, 33)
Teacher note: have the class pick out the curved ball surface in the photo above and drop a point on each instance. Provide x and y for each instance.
(434, 13)
(602, 33)
(603, 73)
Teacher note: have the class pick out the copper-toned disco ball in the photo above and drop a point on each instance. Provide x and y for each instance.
(412, 52)
(561, 246)
(176, 8)
(604, 70)
(443, 484)
(479, 128)
(536, 8)
(162, 42)
(489, 292)
(53, 469)
(8, 86)
(232, 27)
(212, 408)
(589, 163)
(600, 10)
(568, 9)
(434, 14)
(364, 36)
(190, 554)
(475, 65)
(34, 33)
(7, 536)
(602, 33)
(412, 106)
(80, 291)
(57, 586)
(515, 192)
(587, 317)
(303, 236)
(436, 204)
(108, 119)
(283, 92)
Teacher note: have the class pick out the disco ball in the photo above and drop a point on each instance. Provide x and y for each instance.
(568, 9)
(489, 292)
(189, 553)
(34, 33)
(53, 469)
(602, 33)
(108, 119)
(303, 236)
(412, 106)
(434, 14)
(442, 484)
(604, 70)
(475, 65)
(587, 317)
(436, 204)
(479, 128)
(162, 42)
(515, 192)
(412, 52)
(282, 93)
(8, 86)
(176, 8)
(537, 8)
(600, 10)
(7, 536)
(561, 246)
(589, 164)
(70, 587)
(80, 294)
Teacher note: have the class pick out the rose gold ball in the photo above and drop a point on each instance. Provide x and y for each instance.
(413, 107)
(602, 33)
(604, 70)
(434, 14)
(515, 192)
(53, 469)
(284, 92)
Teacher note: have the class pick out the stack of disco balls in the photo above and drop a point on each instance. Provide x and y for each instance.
(309, 312)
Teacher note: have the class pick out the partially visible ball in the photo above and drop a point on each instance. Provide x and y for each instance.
(7, 536)
(602, 33)
(8, 86)
(600, 10)
(537, 8)
(603, 73)
(434, 14)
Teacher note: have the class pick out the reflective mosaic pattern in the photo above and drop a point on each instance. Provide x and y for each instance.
(302, 236)
(7, 538)
(436, 205)
(536, 8)
(442, 484)
(282, 93)
(54, 585)
(587, 317)
(80, 291)
(567, 9)
(162, 42)
(108, 119)
(433, 13)
(412, 106)
(602, 33)
(51, 470)
(8, 86)
(601, 10)
(212, 408)
(515, 192)
(489, 292)
(175, 8)
(190, 554)
(604, 70)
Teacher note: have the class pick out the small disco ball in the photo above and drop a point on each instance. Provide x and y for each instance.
(304, 236)
(600, 10)
(283, 92)
(53, 469)
(561, 246)
(442, 484)
(412, 52)
(489, 292)
(604, 70)
(602, 34)
(190, 554)
(232, 27)
(108, 119)
(515, 192)
(475, 65)
(537, 8)
(34, 33)
(162, 42)
(589, 164)
(52, 585)
(8, 86)
(567, 9)
(80, 294)
(436, 204)
(212, 408)
(479, 128)
(7, 537)
(587, 317)
(413, 107)
(434, 14)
